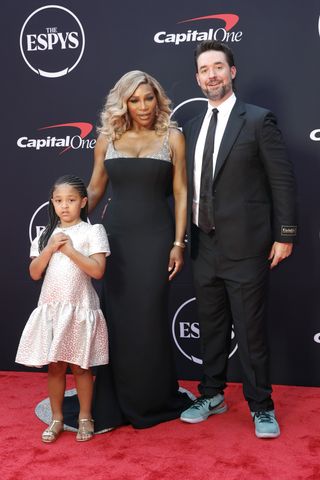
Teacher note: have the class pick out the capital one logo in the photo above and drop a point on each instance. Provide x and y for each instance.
(52, 41)
(186, 332)
(222, 34)
(46, 140)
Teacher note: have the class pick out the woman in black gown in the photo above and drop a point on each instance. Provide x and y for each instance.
(142, 156)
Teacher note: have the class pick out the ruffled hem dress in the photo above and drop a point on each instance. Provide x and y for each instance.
(68, 324)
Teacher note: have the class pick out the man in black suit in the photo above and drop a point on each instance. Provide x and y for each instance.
(241, 223)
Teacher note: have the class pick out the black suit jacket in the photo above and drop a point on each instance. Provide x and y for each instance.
(253, 190)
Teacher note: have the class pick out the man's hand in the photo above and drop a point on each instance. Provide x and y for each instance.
(279, 252)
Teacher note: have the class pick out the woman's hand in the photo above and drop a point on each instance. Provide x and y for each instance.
(175, 261)
(177, 145)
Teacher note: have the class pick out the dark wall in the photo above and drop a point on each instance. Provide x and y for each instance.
(58, 66)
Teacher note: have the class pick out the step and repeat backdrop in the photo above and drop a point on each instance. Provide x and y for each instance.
(59, 62)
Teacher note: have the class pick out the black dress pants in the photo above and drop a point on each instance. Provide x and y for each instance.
(231, 292)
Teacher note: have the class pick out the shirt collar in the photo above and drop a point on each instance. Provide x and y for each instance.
(225, 107)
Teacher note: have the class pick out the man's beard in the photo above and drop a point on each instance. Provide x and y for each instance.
(218, 93)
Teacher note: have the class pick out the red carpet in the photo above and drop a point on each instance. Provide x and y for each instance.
(222, 448)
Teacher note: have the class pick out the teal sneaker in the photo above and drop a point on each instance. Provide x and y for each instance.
(266, 425)
(203, 407)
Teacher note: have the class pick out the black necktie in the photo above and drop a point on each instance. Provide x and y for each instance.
(206, 220)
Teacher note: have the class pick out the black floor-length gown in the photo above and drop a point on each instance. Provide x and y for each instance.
(139, 385)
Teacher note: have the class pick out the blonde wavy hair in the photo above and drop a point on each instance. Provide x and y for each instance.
(115, 119)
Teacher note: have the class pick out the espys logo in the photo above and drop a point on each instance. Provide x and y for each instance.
(38, 221)
(188, 109)
(315, 134)
(222, 34)
(52, 41)
(186, 333)
(74, 142)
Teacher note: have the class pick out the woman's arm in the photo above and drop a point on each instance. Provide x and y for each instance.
(99, 178)
(177, 145)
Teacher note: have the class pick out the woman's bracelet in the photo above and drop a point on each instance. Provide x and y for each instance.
(179, 244)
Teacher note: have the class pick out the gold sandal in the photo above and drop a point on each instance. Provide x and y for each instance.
(86, 430)
(52, 432)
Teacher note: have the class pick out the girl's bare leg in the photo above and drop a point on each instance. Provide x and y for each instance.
(84, 384)
(56, 388)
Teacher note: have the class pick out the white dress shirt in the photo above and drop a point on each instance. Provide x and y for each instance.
(223, 116)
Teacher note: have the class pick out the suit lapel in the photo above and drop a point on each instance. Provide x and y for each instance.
(232, 130)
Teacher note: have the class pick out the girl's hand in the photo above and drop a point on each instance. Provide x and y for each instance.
(175, 261)
(57, 241)
(67, 246)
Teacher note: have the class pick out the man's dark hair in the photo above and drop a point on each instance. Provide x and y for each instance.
(208, 45)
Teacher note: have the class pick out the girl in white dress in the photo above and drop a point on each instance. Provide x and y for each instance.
(68, 326)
